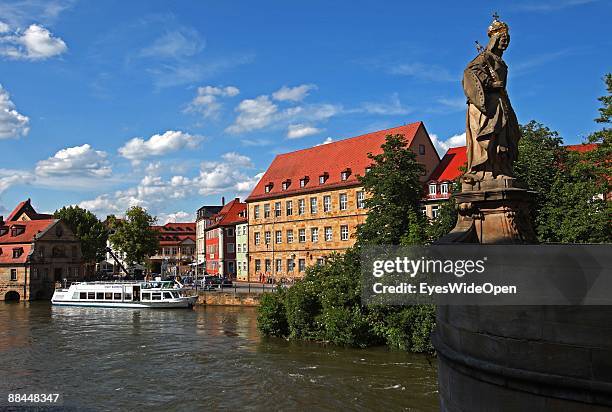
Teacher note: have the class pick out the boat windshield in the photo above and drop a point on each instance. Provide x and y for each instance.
(158, 285)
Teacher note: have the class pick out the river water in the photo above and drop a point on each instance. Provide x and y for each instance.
(208, 358)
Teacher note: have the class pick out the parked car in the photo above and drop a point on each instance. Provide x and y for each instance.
(210, 282)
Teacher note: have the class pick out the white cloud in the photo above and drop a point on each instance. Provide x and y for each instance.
(35, 43)
(262, 112)
(237, 159)
(430, 72)
(253, 114)
(297, 131)
(19, 13)
(155, 192)
(10, 177)
(294, 94)
(442, 146)
(12, 123)
(206, 102)
(246, 186)
(138, 149)
(326, 141)
(182, 42)
(176, 217)
(392, 107)
(76, 161)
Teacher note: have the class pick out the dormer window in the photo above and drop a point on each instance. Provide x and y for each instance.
(344, 175)
(286, 184)
(3, 230)
(17, 230)
(444, 188)
(323, 178)
(18, 251)
(432, 189)
(268, 187)
(304, 181)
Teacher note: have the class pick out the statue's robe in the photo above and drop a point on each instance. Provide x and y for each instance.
(491, 121)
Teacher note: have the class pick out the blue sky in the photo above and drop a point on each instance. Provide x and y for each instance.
(171, 105)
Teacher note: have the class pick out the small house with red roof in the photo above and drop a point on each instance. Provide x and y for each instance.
(176, 253)
(440, 183)
(220, 236)
(36, 252)
(309, 202)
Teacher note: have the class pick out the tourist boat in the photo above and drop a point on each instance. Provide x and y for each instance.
(125, 294)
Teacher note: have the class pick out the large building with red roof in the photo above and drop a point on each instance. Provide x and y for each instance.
(36, 251)
(176, 253)
(309, 202)
(220, 234)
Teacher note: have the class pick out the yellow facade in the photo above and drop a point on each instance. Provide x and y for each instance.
(271, 258)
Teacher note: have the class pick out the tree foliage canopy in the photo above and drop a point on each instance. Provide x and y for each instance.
(88, 229)
(394, 194)
(133, 236)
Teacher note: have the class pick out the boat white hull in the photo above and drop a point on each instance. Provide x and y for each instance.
(167, 304)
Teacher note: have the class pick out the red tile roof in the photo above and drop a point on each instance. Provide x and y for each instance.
(332, 158)
(172, 234)
(32, 228)
(455, 157)
(26, 207)
(448, 168)
(6, 253)
(231, 214)
(582, 148)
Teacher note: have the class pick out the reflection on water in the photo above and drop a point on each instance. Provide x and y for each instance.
(207, 358)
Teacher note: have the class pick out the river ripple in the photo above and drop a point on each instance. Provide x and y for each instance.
(209, 358)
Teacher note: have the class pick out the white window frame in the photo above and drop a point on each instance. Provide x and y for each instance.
(279, 236)
(344, 232)
(257, 238)
(327, 203)
(301, 206)
(314, 234)
(302, 235)
(314, 205)
(289, 235)
(329, 234)
(361, 199)
(433, 188)
(343, 201)
(289, 207)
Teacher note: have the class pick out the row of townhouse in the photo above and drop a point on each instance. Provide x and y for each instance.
(309, 203)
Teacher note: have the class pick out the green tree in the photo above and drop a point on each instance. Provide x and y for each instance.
(88, 229)
(576, 210)
(540, 152)
(394, 192)
(134, 237)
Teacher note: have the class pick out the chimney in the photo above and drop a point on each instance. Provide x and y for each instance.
(237, 200)
(223, 201)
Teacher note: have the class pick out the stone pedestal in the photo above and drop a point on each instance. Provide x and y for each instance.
(517, 358)
(493, 212)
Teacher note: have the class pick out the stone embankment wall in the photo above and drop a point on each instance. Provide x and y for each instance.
(228, 299)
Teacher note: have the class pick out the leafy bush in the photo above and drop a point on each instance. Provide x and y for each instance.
(326, 306)
(272, 317)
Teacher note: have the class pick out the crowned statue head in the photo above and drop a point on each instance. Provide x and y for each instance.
(499, 35)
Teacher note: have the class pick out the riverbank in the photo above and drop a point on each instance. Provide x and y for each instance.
(218, 298)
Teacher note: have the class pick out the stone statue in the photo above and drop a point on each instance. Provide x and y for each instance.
(492, 130)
